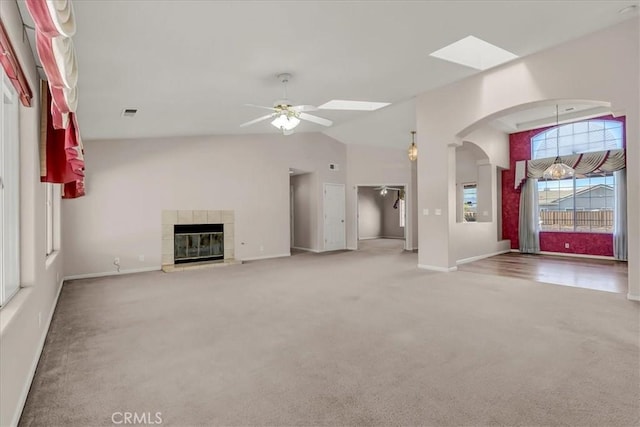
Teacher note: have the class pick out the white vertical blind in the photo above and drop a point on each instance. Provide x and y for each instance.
(9, 193)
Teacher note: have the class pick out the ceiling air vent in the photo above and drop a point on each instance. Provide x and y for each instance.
(129, 112)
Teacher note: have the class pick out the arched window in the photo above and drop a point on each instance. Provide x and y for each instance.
(580, 137)
(585, 202)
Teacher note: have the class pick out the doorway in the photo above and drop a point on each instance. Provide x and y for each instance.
(302, 208)
(381, 214)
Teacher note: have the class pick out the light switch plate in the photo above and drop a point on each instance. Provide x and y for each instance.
(425, 211)
(438, 211)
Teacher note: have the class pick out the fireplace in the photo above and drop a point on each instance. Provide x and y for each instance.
(197, 239)
(198, 242)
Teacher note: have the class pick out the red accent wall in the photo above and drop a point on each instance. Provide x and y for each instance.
(579, 243)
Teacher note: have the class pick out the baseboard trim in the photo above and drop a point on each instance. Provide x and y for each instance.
(111, 273)
(306, 249)
(267, 257)
(479, 257)
(435, 268)
(610, 258)
(633, 297)
(36, 359)
(568, 254)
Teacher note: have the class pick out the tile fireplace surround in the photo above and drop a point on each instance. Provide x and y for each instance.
(171, 218)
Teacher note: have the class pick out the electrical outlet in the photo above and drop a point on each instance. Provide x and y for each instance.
(261, 248)
(566, 246)
(141, 258)
(116, 261)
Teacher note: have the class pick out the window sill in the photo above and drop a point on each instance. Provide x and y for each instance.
(51, 259)
(13, 307)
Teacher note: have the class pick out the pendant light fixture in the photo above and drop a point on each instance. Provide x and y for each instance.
(413, 148)
(559, 169)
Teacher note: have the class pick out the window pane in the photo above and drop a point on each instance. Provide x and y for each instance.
(470, 202)
(581, 137)
(555, 200)
(587, 209)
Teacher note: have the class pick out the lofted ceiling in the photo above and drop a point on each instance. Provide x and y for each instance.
(189, 66)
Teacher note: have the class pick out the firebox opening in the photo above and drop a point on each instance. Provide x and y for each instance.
(198, 242)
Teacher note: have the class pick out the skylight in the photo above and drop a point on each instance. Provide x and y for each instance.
(475, 53)
(341, 104)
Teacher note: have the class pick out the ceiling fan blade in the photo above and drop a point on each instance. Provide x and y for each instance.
(259, 119)
(315, 119)
(301, 108)
(260, 106)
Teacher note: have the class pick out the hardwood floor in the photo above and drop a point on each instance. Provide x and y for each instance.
(602, 275)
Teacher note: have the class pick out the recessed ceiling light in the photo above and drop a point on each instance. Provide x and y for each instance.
(475, 53)
(341, 104)
(129, 112)
(627, 9)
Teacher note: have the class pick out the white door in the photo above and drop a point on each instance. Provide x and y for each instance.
(334, 213)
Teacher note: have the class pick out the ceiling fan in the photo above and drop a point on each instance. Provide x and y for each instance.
(384, 189)
(286, 116)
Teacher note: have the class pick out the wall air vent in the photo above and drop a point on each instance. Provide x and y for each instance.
(129, 112)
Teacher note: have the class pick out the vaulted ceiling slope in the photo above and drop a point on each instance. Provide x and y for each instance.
(190, 66)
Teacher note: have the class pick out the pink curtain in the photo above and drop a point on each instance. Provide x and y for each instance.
(61, 151)
(12, 68)
(61, 158)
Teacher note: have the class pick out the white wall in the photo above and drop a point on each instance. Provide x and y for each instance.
(369, 213)
(374, 166)
(447, 115)
(129, 183)
(305, 211)
(21, 333)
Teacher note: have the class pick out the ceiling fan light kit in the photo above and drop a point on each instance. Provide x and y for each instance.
(285, 116)
(285, 121)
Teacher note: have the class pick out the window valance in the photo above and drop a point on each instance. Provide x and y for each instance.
(61, 152)
(11, 65)
(607, 161)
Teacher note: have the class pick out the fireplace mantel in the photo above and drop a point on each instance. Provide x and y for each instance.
(170, 218)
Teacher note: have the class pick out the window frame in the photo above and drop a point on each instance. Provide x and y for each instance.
(9, 191)
(50, 217)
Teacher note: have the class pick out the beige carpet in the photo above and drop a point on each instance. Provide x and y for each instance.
(352, 338)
